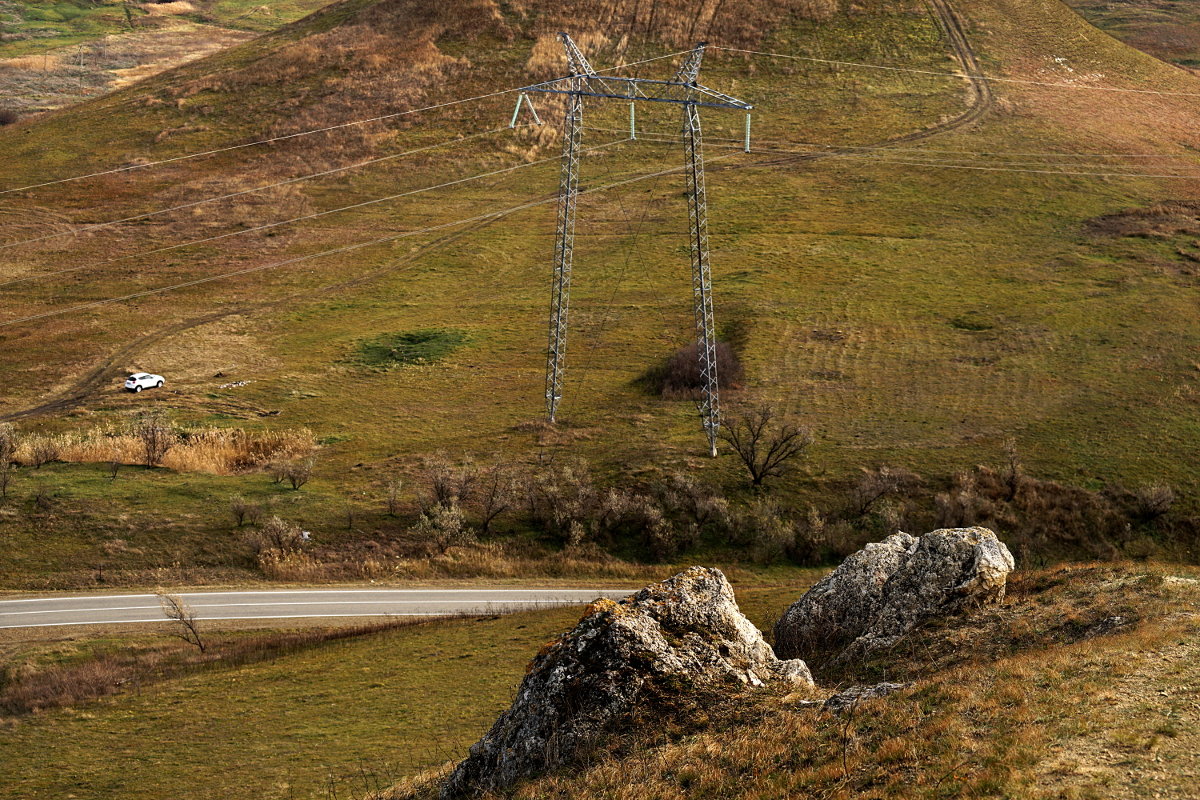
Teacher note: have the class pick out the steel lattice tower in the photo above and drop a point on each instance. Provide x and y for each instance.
(681, 90)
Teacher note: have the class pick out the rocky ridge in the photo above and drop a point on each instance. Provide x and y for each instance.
(669, 639)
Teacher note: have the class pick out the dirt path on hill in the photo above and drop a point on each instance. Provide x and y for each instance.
(105, 372)
(980, 103)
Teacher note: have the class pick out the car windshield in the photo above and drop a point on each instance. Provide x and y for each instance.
(136, 375)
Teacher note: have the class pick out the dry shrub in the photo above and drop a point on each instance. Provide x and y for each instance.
(275, 536)
(27, 690)
(680, 376)
(8, 116)
(443, 527)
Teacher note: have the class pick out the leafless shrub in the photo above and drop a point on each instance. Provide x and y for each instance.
(495, 493)
(1012, 472)
(698, 505)
(42, 450)
(156, 436)
(299, 471)
(278, 470)
(1153, 502)
(449, 484)
(277, 536)
(562, 499)
(244, 511)
(767, 444)
(766, 531)
(8, 116)
(392, 496)
(680, 376)
(188, 627)
(875, 484)
(8, 451)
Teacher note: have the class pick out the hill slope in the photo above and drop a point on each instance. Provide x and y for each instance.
(917, 306)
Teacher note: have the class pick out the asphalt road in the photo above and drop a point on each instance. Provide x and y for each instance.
(46, 611)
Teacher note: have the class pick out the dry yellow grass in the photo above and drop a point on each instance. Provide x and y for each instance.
(992, 704)
(218, 451)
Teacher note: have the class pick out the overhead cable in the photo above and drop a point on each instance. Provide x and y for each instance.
(303, 218)
(298, 134)
(338, 250)
(325, 173)
(956, 74)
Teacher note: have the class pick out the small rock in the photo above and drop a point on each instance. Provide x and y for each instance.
(1105, 626)
(671, 639)
(856, 694)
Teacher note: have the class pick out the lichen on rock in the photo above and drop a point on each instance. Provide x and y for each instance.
(879, 593)
(678, 636)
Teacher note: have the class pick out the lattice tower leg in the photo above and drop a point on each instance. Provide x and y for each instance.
(564, 251)
(710, 405)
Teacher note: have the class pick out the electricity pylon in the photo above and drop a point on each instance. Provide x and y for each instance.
(682, 90)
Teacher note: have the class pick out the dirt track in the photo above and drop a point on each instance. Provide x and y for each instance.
(107, 371)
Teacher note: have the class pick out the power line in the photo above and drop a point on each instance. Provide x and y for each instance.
(977, 167)
(1070, 169)
(303, 218)
(285, 137)
(964, 75)
(335, 251)
(821, 148)
(300, 179)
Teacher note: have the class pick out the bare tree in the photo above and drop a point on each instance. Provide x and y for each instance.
(157, 437)
(177, 610)
(8, 449)
(449, 483)
(1014, 473)
(393, 496)
(767, 444)
(495, 492)
(244, 510)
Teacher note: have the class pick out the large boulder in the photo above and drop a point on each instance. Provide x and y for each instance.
(834, 612)
(682, 635)
(881, 592)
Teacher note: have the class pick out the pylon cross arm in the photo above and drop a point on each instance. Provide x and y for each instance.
(616, 87)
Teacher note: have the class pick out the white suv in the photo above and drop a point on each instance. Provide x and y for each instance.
(143, 380)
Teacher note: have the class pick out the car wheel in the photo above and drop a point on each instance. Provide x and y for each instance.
(158, 385)
(137, 388)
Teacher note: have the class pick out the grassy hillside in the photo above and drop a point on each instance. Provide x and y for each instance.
(1168, 29)
(917, 307)
(985, 716)
(1039, 700)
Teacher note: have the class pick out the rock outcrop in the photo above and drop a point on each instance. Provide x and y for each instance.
(682, 635)
(878, 594)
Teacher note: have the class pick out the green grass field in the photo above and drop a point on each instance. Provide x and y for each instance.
(345, 717)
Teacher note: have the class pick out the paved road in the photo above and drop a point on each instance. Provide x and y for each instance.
(34, 612)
